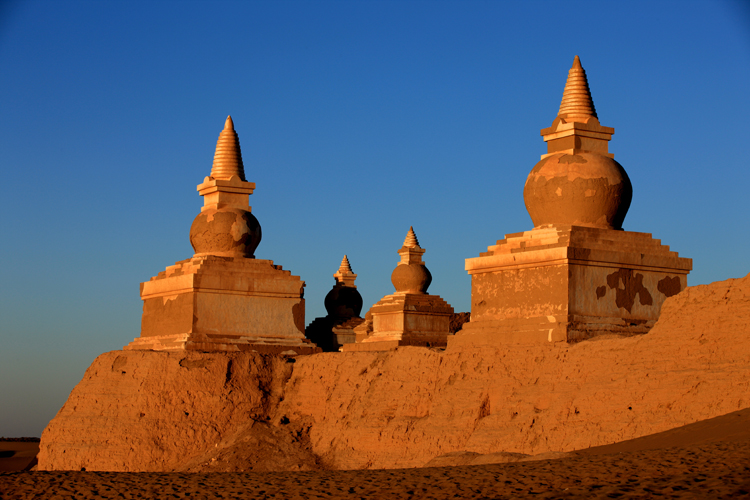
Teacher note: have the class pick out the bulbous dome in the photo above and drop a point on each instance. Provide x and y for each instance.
(411, 278)
(583, 189)
(228, 231)
(343, 302)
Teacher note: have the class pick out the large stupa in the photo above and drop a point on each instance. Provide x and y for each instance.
(223, 298)
(577, 274)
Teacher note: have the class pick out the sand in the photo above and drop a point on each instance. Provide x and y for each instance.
(17, 455)
(708, 459)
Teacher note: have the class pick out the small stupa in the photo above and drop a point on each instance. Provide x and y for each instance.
(577, 274)
(223, 298)
(343, 305)
(410, 316)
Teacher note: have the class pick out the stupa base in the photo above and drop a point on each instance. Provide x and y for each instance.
(569, 283)
(221, 343)
(389, 345)
(344, 333)
(406, 319)
(213, 303)
(330, 334)
(547, 329)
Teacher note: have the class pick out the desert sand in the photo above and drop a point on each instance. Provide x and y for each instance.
(707, 459)
(18, 454)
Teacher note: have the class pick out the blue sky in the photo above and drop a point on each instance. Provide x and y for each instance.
(357, 120)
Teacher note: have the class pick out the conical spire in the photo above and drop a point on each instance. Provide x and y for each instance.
(411, 239)
(345, 267)
(345, 275)
(577, 104)
(228, 158)
(410, 251)
(576, 127)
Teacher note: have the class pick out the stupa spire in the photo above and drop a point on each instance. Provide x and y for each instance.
(577, 104)
(576, 127)
(345, 267)
(411, 239)
(345, 275)
(228, 158)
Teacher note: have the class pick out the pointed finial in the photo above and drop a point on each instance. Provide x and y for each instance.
(577, 104)
(345, 267)
(228, 157)
(345, 276)
(411, 239)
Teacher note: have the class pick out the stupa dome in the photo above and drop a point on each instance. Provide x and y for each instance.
(411, 275)
(578, 182)
(582, 189)
(229, 232)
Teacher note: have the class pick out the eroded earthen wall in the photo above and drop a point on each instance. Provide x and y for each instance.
(403, 408)
(143, 410)
(155, 411)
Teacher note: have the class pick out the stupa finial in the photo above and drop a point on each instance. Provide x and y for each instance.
(345, 267)
(576, 127)
(345, 276)
(411, 239)
(577, 104)
(228, 158)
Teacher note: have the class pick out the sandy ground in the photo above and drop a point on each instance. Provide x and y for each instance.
(17, 455)
(709, 459)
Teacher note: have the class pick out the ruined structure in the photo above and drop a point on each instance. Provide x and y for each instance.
(410, 316)
(241, 411)
(343, 305)
(577, 274)
(223, 298)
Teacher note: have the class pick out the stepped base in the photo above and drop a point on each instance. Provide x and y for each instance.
(220, 343)
(213, 303)
(406, 319)
(569, 283)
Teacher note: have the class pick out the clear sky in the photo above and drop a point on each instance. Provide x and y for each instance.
(356, 120)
